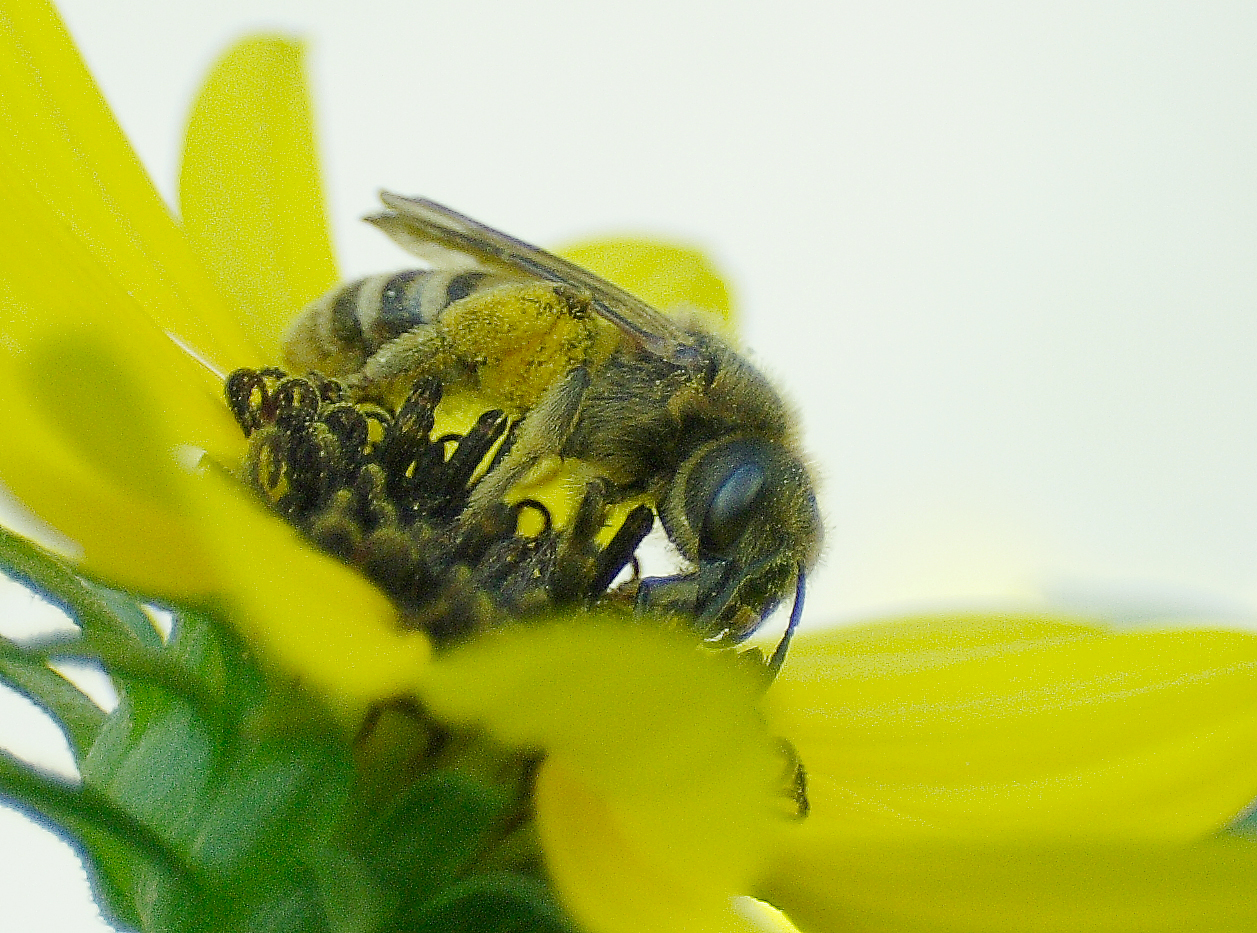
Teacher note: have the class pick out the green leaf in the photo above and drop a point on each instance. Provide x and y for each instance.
(352, 898)
(432, 831)
(55, 580)
(262, 806)
(116, 630)
(155, 759)
(1246, 825)
(497, 903)
(129, 613)
(275, 903)
(119, 848)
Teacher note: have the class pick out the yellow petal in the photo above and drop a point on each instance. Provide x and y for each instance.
(665, 275)
(1016, 728)
(51, 282)
(249, 189)
(611, 880)
(765, 917)
(654, 804)
(833, 884)
(90, 450)
(65, 162)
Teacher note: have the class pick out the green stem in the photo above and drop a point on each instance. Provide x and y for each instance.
(50, 576)
(105, 637)
(85, 813)
(29, 673)
(43, 649)
(129, 661)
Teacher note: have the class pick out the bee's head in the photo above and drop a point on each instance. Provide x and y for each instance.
(743, 511)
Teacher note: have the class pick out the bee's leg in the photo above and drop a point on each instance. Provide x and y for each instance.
(543, 432)
(423, 352)
(796, 613)
(793, 780)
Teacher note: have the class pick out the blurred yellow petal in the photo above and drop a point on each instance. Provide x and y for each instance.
(99, 399)
(1020, 728)
(87, 448)
(249, 189)
(665, 275)
(832, 884)
(601, 869)
(764, 917)
(64, 163)
(50, 282)
(90, 451)
(659, 768)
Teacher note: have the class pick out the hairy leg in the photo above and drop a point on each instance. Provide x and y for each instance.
(543, 432)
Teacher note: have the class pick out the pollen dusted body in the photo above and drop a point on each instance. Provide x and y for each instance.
(509, 341)
(657, 405)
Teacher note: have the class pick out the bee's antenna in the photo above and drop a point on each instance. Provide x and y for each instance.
(796, 613)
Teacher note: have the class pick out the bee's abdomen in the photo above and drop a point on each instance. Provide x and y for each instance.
(339, 331)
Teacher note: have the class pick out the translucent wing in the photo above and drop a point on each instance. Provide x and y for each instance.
(438, 234)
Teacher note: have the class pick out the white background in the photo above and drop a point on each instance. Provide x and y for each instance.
(1003, 256)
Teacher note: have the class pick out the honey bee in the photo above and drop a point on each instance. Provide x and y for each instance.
(661, 406)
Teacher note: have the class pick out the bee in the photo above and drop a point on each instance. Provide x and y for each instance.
(660, 406)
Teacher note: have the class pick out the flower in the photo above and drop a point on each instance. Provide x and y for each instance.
(100, 397)
(964, 774)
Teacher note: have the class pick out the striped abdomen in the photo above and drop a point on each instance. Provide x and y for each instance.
(338, 332)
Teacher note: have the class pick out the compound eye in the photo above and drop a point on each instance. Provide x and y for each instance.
(731, 507)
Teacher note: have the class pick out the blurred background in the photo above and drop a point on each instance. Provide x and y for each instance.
(1002, 257)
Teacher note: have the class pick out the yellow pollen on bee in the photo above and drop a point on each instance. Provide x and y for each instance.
(523, 341)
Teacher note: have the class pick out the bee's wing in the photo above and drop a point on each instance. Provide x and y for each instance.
(440, 235)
